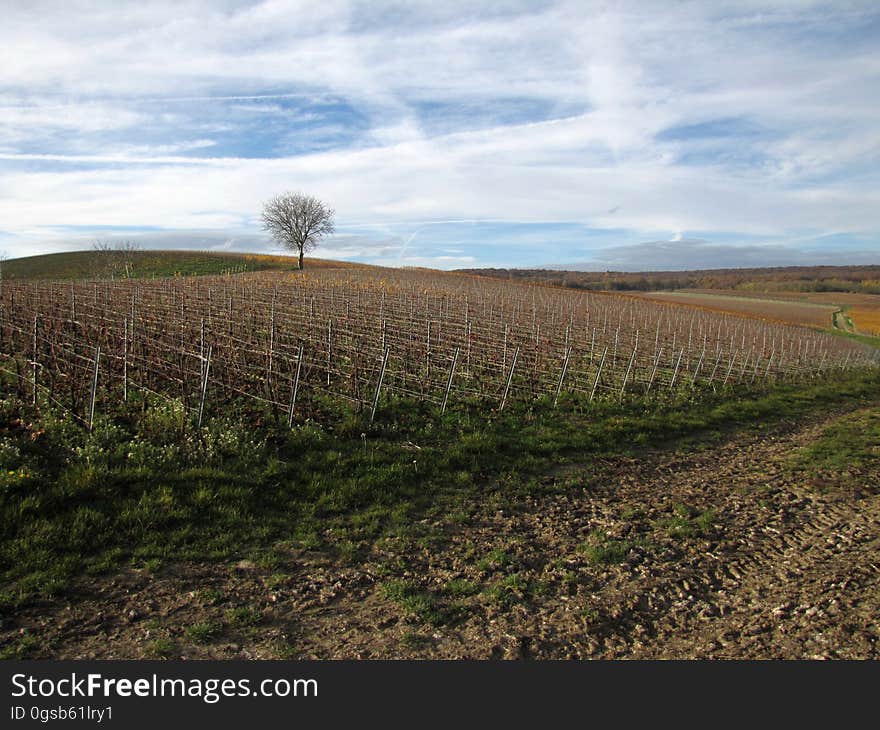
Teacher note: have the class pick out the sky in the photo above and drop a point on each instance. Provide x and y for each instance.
(597, 135)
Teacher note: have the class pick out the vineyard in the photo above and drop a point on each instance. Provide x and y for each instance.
(357, 337)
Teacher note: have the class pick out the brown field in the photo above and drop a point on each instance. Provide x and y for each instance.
(811, 313)
(863, 309)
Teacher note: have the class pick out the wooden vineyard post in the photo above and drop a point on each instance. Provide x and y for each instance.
(94, 388)
(379, 385)
(729, 369)
(469, 349)
(125, 359)
(295, 387)
(742, 370)
(697, 369)
(599, 373)
(769, 364)
(271, 340)
(204, 384)
(202, 351)
(509, 379)
(654, 370)
(269, 357)
(715, 370)
(427, 358)
(34, 361)
(628, 369)
(562, 375)
(449, 380)
(329, 349)
(675, 372)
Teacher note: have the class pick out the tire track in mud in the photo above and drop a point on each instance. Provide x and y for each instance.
(802, 582)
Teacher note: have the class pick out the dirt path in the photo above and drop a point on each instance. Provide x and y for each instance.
(723, 552)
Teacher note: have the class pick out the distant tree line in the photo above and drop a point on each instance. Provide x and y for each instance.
(857, 279)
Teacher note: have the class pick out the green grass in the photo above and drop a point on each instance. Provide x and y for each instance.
(141, 264)
(685, 522)
(213, 596)
(418, 603)
(869, 340)
(162, 648)
(461, 588)
(514, 588)
(495, 560)
(600, 549)
(147, 489)
(842, 450)
(202, 632)
(22, 648)
(243, 617)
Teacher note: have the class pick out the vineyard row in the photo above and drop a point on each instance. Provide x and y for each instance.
(280, 340)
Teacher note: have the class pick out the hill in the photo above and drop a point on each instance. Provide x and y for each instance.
(148, 264)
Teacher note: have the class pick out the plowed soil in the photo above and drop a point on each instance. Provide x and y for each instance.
(727, 551)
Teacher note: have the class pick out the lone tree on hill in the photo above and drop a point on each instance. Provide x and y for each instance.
(298, 222)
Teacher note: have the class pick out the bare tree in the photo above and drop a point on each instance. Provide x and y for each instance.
(297, 221)
(127, 252)
(115, 257)
(103, 260)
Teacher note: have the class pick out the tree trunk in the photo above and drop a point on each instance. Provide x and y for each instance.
(300, 259)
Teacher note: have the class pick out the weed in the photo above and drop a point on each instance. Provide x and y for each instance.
(600, 549)
(495, 560)
(202, 632)
(514, 588)
(286, 649)
(163, 648)
(243, 617)
(590, 615)
(631, 512)
(417, 602)
(413, 640)
(461, 587)
(23, 648)
(213, 596)
(685, 522)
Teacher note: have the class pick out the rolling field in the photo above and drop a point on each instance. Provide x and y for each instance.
(148, 264)
(770, 309)
(364, 462)
(809, 308)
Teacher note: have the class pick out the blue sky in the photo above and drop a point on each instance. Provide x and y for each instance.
(626, 135)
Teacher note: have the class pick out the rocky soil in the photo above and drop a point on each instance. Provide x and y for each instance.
(726, 551)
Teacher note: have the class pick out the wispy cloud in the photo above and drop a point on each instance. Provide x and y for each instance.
(640, 120)
(683, 254)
